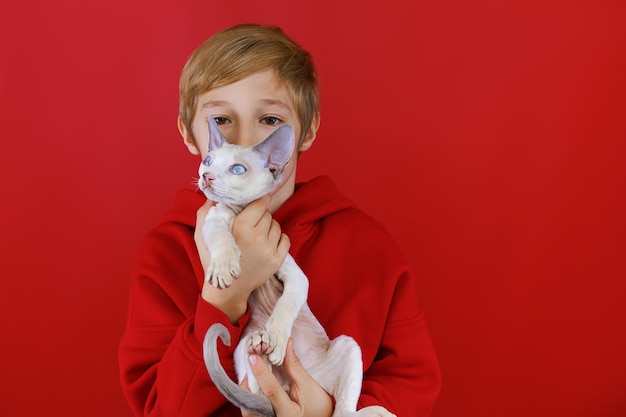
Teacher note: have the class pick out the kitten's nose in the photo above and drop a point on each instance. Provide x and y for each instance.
(207, 177)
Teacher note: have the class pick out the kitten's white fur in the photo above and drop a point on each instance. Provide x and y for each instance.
(278, 308)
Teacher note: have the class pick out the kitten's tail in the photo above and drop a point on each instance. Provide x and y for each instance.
(254, 403)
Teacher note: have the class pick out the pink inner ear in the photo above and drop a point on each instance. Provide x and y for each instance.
(277, 148)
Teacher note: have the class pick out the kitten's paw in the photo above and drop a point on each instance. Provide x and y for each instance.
(270, 343)
(224, 268)
(279, 333)
(259, 342)
(278, 354)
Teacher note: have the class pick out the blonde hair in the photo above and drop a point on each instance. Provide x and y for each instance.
(243, 50)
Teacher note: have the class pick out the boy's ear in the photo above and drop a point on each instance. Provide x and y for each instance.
(311, 134)
(187, 138)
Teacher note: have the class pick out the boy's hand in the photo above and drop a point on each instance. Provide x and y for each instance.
(263, 246)
(263, 250)
(306, 397)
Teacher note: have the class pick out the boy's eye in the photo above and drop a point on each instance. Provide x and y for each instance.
(221, 120)
(238, 169)
(270, 120)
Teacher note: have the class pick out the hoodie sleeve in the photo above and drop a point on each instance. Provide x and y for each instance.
(160, 354)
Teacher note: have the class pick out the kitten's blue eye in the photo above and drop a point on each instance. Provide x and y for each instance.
(238, 169)
(207, 161)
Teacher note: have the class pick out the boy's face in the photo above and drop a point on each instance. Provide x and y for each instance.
(247, 111)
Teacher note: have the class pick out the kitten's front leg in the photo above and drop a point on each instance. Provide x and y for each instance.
(273, 340)
(224, 264)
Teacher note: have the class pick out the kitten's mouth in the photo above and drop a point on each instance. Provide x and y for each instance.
(209, 187)
(205, 183)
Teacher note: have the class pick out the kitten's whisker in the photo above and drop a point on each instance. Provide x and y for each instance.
(194, 182)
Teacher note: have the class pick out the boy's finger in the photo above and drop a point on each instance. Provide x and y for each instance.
(244, 384)
(293, 366)
(253, 215)
(283, 245)
(268, 383)
(255, 210)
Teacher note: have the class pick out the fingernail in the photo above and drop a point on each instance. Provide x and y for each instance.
(252, 359)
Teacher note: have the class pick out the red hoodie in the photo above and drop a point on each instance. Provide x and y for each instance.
(360, 285)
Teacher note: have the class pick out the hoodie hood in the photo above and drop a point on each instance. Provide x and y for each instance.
(311, 202)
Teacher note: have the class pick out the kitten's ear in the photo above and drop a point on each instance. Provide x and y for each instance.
(277, 149)
(216, 139)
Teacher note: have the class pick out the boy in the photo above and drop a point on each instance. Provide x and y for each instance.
(252, 79)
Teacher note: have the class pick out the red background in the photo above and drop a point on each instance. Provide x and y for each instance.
(488, 137)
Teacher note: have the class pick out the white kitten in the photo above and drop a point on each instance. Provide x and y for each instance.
(233, 176)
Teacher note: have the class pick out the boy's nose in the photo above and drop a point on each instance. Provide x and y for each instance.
(242, 136)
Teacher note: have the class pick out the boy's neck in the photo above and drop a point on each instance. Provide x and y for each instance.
(284, 192)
